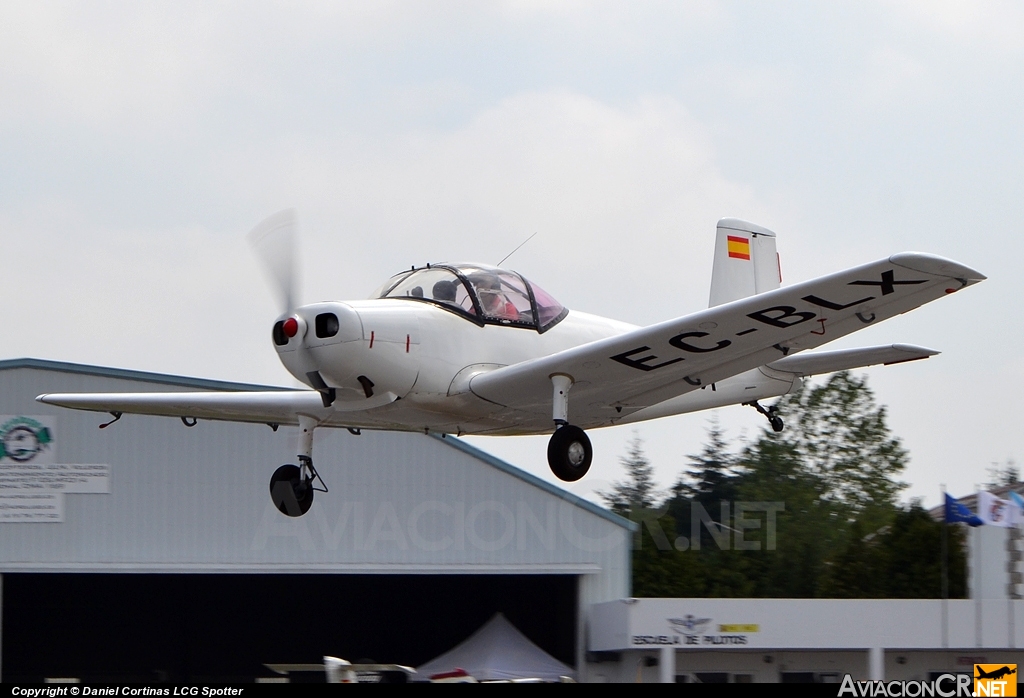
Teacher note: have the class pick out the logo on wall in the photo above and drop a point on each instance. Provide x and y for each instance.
(25, 440)
(689, 623)
(32, 482)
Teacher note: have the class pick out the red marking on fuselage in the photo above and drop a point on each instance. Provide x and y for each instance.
(371, 339)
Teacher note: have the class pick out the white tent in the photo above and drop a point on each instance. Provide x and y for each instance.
(496, 652)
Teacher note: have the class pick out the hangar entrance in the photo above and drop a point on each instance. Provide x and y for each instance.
(223, 627)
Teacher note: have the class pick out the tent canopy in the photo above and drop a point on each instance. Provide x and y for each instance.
(495, 652)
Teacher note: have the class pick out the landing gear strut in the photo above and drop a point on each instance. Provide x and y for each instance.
(291, 486)
(770, 414)
(569, 450)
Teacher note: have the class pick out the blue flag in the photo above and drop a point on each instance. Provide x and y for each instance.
(1017, 499)
(958, 513)
(1018, 517)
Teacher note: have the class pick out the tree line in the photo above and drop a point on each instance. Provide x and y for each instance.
(811, 512)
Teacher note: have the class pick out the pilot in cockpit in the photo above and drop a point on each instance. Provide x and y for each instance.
(493, 300)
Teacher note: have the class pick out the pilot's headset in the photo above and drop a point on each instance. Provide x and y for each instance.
(485, 283)
(444, 290)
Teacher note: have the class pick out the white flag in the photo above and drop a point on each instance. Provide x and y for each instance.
(995, 511)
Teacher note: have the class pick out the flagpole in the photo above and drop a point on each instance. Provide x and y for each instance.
(1009, 586)
(945, 572)
(977, 565)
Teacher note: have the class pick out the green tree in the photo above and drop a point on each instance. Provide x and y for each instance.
(806, 527)
(639, 490)
(913, 554)
(831, 482)
(857, 572)
(1003, 475)
(660, 571)
(710, 480)
(901, 561)
(842, 438)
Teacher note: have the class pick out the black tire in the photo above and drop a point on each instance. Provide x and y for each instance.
(777, 424)
(569, 453)
(289, 495)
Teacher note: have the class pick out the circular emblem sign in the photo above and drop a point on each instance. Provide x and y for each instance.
(22, 439)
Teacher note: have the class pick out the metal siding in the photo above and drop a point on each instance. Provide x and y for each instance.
(197, 500)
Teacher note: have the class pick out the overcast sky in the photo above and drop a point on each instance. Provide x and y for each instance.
(140, 142)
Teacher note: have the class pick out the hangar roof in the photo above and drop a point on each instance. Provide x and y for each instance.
(147, 376)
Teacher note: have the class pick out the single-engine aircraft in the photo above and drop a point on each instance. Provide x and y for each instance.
(476, 349)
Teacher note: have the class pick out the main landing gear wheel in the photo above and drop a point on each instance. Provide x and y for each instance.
(569, 453)
(291, 495)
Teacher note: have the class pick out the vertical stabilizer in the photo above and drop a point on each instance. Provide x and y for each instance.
(746, 262)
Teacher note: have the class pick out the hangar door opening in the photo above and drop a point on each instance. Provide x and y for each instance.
(224, 627)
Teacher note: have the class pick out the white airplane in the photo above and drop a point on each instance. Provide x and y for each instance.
(474, 349)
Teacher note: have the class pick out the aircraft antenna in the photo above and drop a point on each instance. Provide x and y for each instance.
(515, 250)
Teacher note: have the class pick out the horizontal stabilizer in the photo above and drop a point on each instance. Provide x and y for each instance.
(820, 362)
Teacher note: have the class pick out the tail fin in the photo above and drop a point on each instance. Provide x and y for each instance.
(746, 262)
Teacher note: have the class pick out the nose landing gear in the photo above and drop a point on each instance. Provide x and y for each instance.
(291, 494)
(291, 486)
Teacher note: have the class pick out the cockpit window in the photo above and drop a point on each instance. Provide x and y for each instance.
(487, 294)
(503, 296)
(549, 311)
(438, 285)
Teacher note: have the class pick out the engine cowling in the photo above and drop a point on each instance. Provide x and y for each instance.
(360, 351)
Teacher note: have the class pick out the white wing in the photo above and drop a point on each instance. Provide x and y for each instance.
(629, 372)
(271, 407)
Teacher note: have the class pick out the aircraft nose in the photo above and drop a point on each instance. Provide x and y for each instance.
(289, 330)
(317, 325)
(332, 323)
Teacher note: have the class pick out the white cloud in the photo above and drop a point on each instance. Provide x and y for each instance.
(891, 80)
(986, 25)
(614, 193)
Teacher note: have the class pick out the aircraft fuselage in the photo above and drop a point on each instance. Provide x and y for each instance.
(403, 364)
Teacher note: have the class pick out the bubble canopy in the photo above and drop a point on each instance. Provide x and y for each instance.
(481, 293)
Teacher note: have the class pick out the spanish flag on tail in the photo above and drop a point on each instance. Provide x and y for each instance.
(739, 248)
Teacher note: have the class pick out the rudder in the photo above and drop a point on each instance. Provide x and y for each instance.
(746, 262)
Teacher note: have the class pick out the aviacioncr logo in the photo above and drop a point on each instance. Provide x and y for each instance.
(23, 438)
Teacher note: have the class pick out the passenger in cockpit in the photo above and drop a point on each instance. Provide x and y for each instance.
(444, 291)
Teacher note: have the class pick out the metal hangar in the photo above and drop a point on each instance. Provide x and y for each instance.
(151, 551)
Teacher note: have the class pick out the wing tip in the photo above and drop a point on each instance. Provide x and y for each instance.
(915, 349)
(914, 353)
(934, 264)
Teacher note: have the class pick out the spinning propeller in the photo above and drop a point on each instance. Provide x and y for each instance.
(274, 242)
